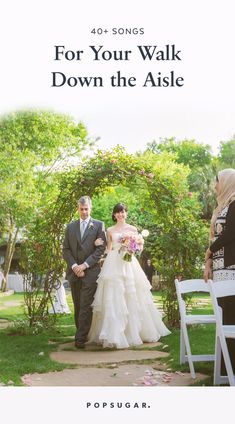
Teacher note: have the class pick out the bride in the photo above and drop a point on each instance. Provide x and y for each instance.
(124, 314)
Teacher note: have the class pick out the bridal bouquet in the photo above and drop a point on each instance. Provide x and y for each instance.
(131, 244)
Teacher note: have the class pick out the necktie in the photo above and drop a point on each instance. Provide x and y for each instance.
(83, 228)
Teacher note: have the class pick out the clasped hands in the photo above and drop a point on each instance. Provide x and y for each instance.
(79, 270)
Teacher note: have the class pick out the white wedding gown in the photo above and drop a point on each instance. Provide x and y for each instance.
(124, 314)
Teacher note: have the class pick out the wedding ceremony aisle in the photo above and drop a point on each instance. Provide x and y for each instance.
(50, 359)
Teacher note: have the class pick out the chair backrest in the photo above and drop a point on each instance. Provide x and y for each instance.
(188, 286)
(220, 289)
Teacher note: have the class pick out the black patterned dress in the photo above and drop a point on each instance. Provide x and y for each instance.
(220, 273)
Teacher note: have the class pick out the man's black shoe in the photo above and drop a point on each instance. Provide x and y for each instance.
(79, 345)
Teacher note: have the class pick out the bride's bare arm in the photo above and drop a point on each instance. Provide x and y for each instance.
(109, 240)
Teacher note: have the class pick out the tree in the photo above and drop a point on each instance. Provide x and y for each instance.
(227, 153)
(34, 145)
(202, 181)
(17, 199)
(188, 152)
(202, 165)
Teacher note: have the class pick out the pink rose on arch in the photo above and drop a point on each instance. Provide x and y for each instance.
(150, 175)
(114, 160)
(190, 194)
(142, 172)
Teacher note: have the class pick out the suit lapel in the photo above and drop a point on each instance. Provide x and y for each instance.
(88, 228)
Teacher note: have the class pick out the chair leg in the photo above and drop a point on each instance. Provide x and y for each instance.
(182, 347)
(188, 350)
(217, 365)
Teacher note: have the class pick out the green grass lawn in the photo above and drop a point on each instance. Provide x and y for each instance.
(25, 354)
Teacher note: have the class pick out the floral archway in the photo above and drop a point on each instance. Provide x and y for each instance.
(42, 262)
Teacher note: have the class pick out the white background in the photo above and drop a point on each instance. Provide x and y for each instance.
(203, 109)
(195, 405)
(203, 30)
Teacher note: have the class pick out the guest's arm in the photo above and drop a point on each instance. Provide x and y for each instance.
(208, 270)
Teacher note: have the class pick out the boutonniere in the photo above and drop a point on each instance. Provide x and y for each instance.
(91, 225)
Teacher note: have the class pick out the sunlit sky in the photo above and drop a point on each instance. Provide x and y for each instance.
(203, 109)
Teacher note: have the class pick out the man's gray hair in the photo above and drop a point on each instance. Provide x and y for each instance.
(85, 200)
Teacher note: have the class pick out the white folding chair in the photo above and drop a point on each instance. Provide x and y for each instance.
(190, 286)
(220, 289)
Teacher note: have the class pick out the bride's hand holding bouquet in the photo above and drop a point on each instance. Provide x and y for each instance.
(131, 244)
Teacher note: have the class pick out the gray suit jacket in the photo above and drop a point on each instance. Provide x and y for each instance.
(77, 250)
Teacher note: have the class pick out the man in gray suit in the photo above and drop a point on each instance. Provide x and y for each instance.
(82, 258)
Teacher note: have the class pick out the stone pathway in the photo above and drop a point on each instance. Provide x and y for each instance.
(4, 304)
(7, 293)
(4, 323)
(91, 356)
(8, 304)
(118, 375)
(106, 367)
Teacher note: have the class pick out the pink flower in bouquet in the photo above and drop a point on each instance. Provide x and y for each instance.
(131, 244)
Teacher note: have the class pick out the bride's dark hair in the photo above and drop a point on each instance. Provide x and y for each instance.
(118, 208)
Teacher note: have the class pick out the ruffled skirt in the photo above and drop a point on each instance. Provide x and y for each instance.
(124, 314)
